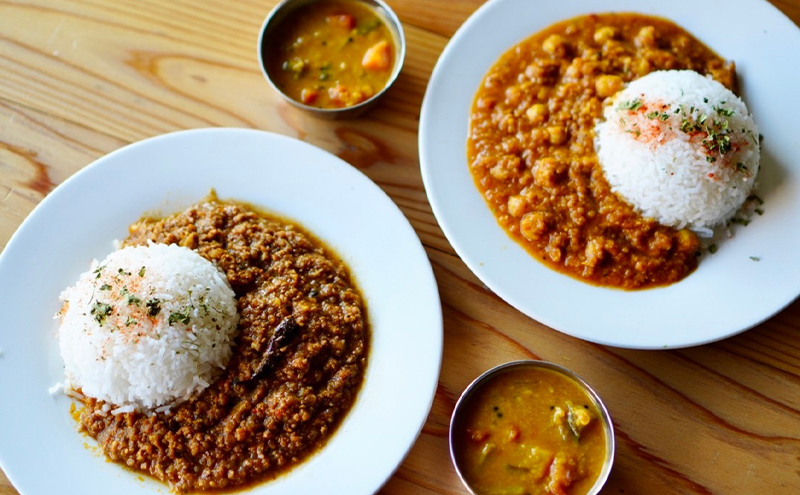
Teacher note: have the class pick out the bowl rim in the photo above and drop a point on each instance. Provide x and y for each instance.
(388, 16)
(486, 376)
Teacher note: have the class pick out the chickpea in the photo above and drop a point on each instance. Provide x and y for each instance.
(516, 206)
(558, 134)
(499, 172)
(607, 85)
(594, 253)
(646, 37)
(605, 33)
(537, 113)
(687, 241)
(534, 225)
(555, 45)
(641, 67)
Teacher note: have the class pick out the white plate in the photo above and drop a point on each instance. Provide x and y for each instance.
(40, 448)
(729, 292)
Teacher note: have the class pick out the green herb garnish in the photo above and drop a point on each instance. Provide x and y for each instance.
(727, 112)
(179, 317)
(153, 307)
(631, 105)
(100, 311)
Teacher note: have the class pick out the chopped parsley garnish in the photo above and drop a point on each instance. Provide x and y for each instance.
(755, 258)
(712, 248)
(153, 307)
(105, 287)
(132, 299)
(756, 198)
(123, 272)
(179, 317)
(98, 271)
(727, 112)
(141, 272)
(741, 167)
(100, 311)
(689, 126)
(717, 140)
(130, 321)
(631, 105)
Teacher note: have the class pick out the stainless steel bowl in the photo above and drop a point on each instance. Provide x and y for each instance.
(482, 380)
(279, 14)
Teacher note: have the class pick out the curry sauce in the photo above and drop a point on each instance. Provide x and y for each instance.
(531, 147)
(530, 431)
(331, 54)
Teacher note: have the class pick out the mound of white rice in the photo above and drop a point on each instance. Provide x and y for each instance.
(681, 148)
(147, 326)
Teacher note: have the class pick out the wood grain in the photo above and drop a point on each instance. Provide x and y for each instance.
(79, 79)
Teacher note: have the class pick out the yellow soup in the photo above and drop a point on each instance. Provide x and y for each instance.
(530, 431)
(331, 54)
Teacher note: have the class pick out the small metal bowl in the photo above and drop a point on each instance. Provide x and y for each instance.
(279, 14)
(478, 383)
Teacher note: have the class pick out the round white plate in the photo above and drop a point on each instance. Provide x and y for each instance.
(40, 447)
(729, 292)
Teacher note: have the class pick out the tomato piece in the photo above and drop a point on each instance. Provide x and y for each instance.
(309, 96)
(346, 21)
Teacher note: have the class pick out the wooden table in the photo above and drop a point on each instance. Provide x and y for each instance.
(79, 79)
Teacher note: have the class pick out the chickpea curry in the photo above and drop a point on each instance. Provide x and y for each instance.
(530, 431)
(531, 147)
(331, 54)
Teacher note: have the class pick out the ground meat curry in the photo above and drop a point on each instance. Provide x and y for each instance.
(531, 152)
(298, 361)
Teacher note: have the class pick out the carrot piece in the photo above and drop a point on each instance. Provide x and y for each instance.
(377, 57)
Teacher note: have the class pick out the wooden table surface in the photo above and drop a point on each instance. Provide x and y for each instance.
(79, 79)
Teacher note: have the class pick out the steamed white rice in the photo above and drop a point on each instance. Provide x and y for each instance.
(681, 148)
(147, 326)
